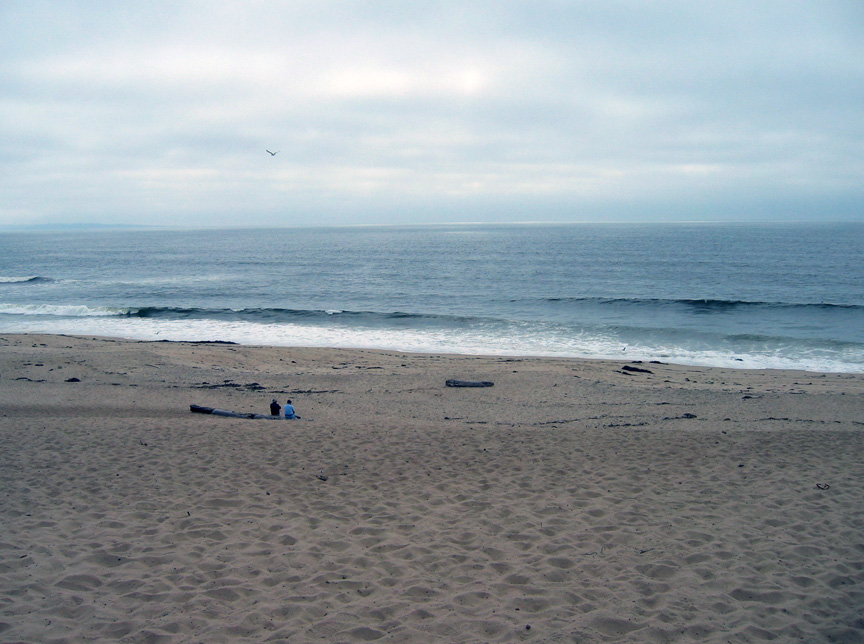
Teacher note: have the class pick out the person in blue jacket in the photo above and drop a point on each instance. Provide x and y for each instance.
(289, 411)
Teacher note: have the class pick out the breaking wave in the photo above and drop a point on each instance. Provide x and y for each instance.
(36, 279)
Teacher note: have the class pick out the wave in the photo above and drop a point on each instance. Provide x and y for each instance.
(280, 315)
(790, 311)
(36, 279)
(62, 310)
(184, 313)
(702, 304)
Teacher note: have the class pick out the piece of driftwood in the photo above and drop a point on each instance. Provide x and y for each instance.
(627, 367)
(198, 409)
(469, 383)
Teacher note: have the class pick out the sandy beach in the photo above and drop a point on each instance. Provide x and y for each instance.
(573, 501)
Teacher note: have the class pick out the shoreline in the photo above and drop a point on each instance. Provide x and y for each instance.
(582, 500)
(624, 359)
(808, 357)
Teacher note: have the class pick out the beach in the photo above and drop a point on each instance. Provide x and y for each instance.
(573, 501)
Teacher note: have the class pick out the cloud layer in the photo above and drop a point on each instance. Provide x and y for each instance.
(160, 112)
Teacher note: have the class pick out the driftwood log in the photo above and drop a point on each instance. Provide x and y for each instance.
(469, 383)
(627, 367)
(198, 409)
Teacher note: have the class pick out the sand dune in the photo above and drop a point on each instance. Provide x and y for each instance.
(574, 501)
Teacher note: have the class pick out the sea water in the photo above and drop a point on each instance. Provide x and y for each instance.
(741, 295)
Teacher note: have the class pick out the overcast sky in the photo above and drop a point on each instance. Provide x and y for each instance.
(160, 112)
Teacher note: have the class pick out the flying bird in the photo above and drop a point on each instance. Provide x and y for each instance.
(272, 154)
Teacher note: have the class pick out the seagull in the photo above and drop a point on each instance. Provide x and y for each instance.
(272, 154)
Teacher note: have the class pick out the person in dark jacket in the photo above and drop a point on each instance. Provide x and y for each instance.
(274, 408)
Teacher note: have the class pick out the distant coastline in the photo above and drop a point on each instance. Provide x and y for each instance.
(67, 227)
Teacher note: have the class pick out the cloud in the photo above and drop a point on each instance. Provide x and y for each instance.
(160, 112)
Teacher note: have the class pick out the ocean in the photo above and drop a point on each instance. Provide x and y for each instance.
(735, 295)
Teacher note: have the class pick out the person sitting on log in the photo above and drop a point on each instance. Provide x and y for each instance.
(289, 411)
(275, 408)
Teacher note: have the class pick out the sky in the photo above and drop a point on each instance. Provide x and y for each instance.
(160, 112)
